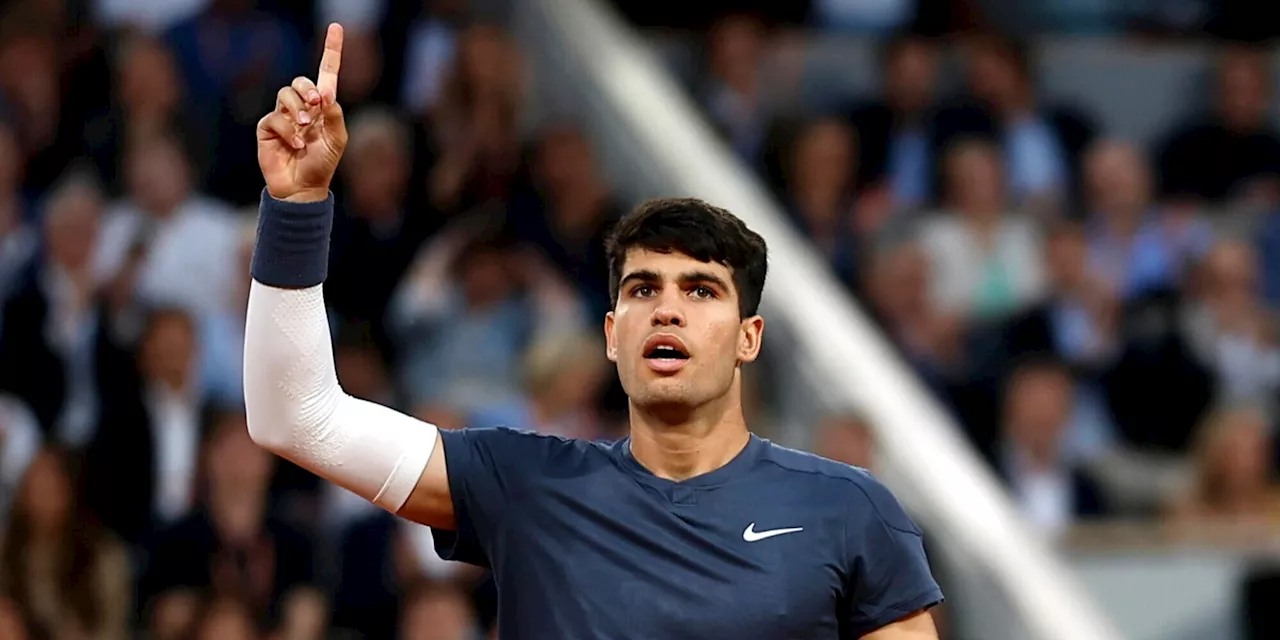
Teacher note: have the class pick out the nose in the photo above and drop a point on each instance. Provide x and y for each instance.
(667, 314)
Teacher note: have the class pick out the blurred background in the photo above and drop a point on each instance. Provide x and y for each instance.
(1025, 266)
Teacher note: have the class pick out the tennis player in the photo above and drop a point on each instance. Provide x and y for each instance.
(690, 528)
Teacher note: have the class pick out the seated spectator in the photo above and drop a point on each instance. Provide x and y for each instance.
(1136, 245)
(1051, 490)
(1078, 319)
(437, 611)
(465, 314)
(733, 90)
(985, 259)
(1233, 148)
(568, 212)
(1229, 329)
(57, 353)
(1232, 475)
(846, 438)
(226, 618)
(564, 375)
(142, 463)
(383, 560)
(468, 152)
(230, 546)
(375, 234)
(899, 288)
(188, 241)
(148, 99)
(1041, 142)
(66, 576)
(893, 134)
(823, 202)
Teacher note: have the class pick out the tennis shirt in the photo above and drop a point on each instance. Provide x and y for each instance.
(585, 543)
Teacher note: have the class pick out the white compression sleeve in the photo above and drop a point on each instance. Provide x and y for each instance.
(297, 410)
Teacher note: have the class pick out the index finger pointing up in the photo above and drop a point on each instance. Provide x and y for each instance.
(330, 62)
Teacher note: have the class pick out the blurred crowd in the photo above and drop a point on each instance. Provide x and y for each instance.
(1098, 316)
(467, 285)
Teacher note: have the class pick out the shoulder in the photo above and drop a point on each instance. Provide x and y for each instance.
(866, 500)
(528, 447)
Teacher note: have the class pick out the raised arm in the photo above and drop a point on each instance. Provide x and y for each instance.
(295, 406)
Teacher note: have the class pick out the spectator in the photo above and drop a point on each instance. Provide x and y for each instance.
(899, 288)
(230, 546)
(56, 353)
(67, 577)
(384, 559)
(1041, 143)
(430, 44)
(437, 612)
(893, 132)
(142, 463)
(820, 194)
(564, 375)
(1232, 148)
(375, 237)
(567, 213)
(1232, 470)
(846, 438)
(1229, 328)
(1079, 318)
(188, 241)
(1138, 246)
(231, 87)
(466, 313)
(226, 617)
(986, 259)
(148, 100)
(734, 92)
(1052, 490)
(468, 144)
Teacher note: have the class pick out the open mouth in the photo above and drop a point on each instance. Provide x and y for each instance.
(666, 352)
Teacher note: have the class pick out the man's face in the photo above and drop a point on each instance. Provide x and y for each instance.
(676, 334)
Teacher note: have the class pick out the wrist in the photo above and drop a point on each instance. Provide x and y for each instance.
(303, 196)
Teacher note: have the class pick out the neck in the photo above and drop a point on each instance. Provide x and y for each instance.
(691, 445)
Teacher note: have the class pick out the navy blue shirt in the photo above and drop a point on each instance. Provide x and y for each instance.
(585, 543)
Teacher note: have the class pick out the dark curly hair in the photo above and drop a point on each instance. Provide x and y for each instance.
(699, 230)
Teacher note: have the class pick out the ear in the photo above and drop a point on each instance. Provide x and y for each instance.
(610, 341)
(749, 338)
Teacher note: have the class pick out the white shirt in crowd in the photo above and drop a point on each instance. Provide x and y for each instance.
(175, 432)
(191, 258)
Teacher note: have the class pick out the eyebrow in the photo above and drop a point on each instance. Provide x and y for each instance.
(690, 277)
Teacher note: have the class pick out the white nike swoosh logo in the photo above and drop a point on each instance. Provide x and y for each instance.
(751, 535)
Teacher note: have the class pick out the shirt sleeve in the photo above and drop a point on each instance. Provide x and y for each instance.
(889, 573)
(490, 470)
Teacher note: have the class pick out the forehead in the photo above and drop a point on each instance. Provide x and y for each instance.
(670, 266)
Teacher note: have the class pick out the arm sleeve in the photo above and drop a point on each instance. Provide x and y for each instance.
(889, 573)
(489, 469)
(295, 407)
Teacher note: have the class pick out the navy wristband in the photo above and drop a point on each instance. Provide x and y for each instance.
(292, 251)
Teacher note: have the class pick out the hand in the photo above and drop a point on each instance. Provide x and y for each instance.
(301, 141)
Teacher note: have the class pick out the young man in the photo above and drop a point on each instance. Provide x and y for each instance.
(689, 528)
